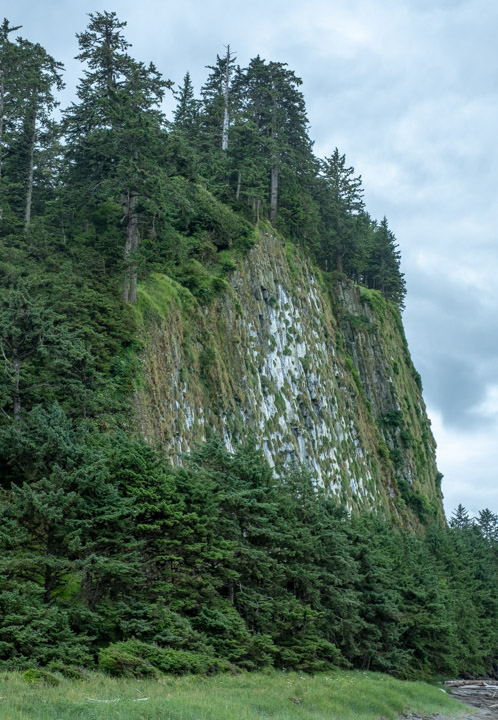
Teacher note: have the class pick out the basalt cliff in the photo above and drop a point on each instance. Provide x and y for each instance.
(316, 368)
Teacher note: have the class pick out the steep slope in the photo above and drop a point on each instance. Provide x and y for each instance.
(316, 368)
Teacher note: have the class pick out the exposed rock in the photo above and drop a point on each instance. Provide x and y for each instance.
(319, 374)
(478, 693)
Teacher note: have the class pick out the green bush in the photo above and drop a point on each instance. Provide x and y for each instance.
(121, 660)
(393, 418)
(259, 652)
(396, 457)
(226, 630)
(358, 322)
(383, 450)
(226, 261)
(309, 654)
(218, 285)
(36, 675)
(73, 672)
(138, 659)
(374, 299)
(207, 358)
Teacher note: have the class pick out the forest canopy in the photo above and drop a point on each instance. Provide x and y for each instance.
(139, 191)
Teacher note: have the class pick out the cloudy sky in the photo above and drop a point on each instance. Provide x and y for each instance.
(407, 89)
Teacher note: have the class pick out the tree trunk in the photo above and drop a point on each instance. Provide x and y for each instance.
(2, 93)
(131, 247)
(274, 191)
(256, 206)
(239, 180)
(49, 584)
(274, 161)
(16, 363)
(29, 190)
(226, 119)
(224, 138)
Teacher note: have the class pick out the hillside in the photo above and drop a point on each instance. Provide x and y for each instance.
(214, 451)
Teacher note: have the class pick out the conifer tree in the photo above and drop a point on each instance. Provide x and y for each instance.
(384, 264)
(270, 98)
(377, 641)
(488, 523)
(460, 518)
(115, 132)
(42, 358)
(341, 204)
(41, 76)
(9, 79)
(186, 117)
(67, 517)
(249, 174)
(218, 99)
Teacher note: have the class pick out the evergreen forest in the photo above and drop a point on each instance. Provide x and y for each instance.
(109, 555)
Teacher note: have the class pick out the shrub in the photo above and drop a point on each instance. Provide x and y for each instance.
(207, 358)
(226, 630)
(259, 652)
(36, 675)
(138, 659)
(121, 660)
(393, 418)
(72, 672)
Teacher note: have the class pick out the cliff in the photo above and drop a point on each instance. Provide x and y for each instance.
(315, 367)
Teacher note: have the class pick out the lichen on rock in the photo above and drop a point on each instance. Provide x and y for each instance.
(317, 369)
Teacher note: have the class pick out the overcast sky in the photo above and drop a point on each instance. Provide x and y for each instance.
(408, 90)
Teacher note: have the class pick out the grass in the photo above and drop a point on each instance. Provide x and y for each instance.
(375, 299)
(155, 296)
(281, 696)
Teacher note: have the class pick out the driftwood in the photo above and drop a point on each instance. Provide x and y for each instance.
(114, 700)
(481, 694)
(472, 683)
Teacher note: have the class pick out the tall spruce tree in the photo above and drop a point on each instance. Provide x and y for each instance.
(270, 98)
(37, 133)
(488, 523)
(384, 264)
(460, 518)
(341, 204)
(186, 117)
(115, 132)
(9, 81)
(42, 357)
(218, 100)
(29, 79)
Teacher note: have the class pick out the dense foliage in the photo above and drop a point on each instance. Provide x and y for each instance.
(116, 180)
(107, 554)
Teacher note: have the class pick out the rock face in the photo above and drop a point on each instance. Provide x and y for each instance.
(317, 369)
(478, 693)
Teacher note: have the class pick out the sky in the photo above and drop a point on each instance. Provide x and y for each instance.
(407, 89)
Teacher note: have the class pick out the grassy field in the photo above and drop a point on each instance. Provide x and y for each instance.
(327, 696)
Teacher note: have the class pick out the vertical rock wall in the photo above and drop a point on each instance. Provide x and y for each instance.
(321, 375)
